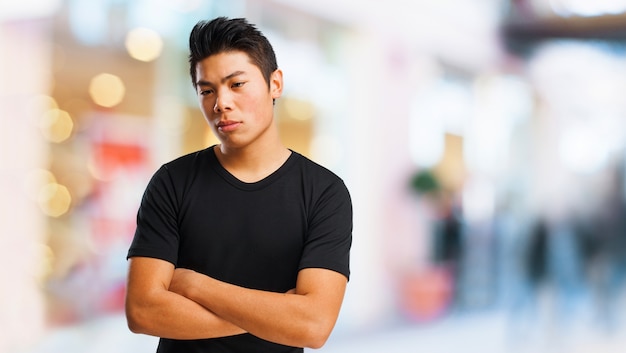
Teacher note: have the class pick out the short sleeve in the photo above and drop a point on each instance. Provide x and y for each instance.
(157, 234)
(329, 236)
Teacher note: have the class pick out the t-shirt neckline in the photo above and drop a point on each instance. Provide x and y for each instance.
(256, 185)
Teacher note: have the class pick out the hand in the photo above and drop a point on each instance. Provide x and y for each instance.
(182, 280)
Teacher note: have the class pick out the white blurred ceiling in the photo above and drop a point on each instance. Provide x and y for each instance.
(461, 32)
(465, 31)
(415, 18)
(28, 8)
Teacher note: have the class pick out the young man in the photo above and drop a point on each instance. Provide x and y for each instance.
(244, 246)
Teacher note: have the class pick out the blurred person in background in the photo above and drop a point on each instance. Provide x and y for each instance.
(243, 246)
(607, 253)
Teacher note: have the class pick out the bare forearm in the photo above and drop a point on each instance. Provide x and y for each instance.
(289, 319)
(170, 315)
(275, 317)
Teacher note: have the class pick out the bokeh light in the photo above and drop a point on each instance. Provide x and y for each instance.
(56, 125)
(144, 44)
(35, 180)
(54, 199)
(107, 90)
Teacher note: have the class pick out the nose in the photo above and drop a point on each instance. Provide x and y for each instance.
(222, 103)
(216, 107)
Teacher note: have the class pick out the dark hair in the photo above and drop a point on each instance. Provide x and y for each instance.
(222, 35)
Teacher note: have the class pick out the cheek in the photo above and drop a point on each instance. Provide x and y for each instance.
(251, 104)
(206, 105)
(251, 99)
(265, 99)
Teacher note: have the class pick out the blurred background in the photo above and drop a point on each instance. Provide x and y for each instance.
(483, 143)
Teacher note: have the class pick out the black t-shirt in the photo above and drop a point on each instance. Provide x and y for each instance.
(196, 215)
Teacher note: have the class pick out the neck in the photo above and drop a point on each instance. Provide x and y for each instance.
(251, 164)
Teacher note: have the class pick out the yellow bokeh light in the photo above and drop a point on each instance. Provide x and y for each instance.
(56, 125)
(54, 200)
(44, 102)
(144, 44)
(35, 180)
(107, 90)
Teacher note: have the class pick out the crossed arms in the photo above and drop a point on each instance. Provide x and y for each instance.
(182, 304)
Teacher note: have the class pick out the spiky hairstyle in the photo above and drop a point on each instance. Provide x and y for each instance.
(223, 35)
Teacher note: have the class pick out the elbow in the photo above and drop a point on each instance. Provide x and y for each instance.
(318, 335)
(316, 344)
(135, 319)
(133, 325)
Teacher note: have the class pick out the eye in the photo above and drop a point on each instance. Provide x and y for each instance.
(238, 84)
(205, 92)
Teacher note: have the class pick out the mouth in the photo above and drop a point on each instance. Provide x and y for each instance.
(227, 125)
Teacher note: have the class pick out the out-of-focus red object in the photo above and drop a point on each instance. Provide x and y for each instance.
(426, 294)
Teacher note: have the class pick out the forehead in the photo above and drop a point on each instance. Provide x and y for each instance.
(222, 64)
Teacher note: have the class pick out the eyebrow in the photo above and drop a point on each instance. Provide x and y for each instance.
(224, 79)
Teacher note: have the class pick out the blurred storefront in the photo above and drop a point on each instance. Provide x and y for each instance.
(483, 143)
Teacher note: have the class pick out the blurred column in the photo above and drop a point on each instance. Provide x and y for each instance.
(24, 74)
(172, 134)
(369, 298)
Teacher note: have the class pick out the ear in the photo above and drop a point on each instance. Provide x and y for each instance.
(276, 83)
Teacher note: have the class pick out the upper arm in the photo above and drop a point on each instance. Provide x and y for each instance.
(146, 277)
(325, 290)
(145, 274)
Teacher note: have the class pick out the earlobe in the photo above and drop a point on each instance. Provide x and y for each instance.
(276, 83)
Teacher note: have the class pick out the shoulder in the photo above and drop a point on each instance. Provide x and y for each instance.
(190, 160)
(312, 168)
(178, 171)
(320, 180)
